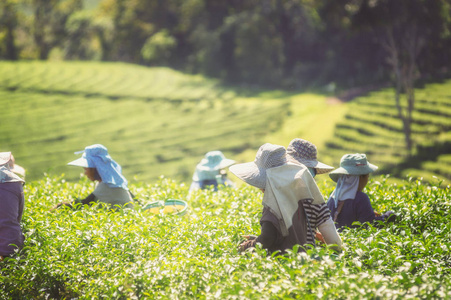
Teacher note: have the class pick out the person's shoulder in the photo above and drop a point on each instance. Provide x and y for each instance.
(101, 185)
(361, 196)
(11, 186)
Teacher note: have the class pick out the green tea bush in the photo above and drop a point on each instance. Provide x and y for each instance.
(95, 253)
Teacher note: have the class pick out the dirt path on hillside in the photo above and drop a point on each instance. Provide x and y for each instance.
(350, 94)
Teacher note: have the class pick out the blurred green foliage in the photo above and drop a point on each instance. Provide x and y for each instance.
(281, 43)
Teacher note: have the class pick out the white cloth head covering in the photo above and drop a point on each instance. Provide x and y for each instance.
(285, 186)
(7, 173)
(96, 156)
(346, 188)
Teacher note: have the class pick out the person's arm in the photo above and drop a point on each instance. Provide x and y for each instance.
(88, 200)
(266, 238)
(330, 234)
(268, 235)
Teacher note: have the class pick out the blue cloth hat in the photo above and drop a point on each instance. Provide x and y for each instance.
(96, 156)
(210, 165)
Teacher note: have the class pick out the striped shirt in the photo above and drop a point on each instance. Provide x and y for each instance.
(317, 214)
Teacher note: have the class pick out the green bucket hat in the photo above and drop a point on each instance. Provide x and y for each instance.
(353, 164)
(210, 165)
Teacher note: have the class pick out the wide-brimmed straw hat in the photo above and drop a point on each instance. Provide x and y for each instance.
(353, 164)
(8, 158)
(7, 171)
(5, 157)
(304, 152)
(254, 173)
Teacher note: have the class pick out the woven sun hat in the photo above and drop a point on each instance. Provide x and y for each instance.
(254, 173)
(5, 157)
(353, 164)
(7, 171)
(304, 152)
(8, 158)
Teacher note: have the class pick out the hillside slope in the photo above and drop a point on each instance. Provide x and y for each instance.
(157, 121)
(371, 126)
(154, 121)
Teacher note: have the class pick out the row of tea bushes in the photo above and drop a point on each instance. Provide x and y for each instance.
(372, 126)
(93, 253)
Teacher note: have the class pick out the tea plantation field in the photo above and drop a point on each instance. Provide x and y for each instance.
(154, 121)
(92, 253)
(371, 125)
(157, 121)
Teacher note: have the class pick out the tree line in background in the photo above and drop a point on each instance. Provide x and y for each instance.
(275, 43)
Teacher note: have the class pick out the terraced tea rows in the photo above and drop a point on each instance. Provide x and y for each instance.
(113, 80)
(158, 121)
(155, 122)
(372, 126)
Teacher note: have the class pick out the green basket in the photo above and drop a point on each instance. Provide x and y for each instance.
(170, 206)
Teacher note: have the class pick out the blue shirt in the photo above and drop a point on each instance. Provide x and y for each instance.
(358, 209)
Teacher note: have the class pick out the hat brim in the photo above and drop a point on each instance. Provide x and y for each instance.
(320, 167)
(203, 165)
(369, 168)
(80, 162)
(5, 157)
(18, 170)
(226, 163)
(250, 173)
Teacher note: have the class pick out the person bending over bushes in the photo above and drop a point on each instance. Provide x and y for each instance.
(112, 185)
(348, 203)
(211, 172)
(293, 207)
(11, 207)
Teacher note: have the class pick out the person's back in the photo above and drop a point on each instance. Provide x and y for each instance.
(11, 207)
(293, 207)
(305, 220)
(358, 209)
(112, 195)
